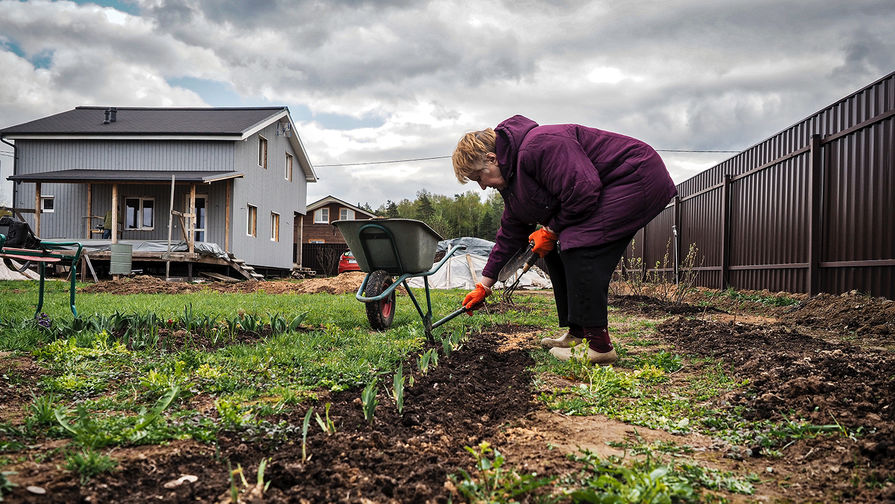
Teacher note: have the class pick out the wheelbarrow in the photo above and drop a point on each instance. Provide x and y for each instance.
(390, 248)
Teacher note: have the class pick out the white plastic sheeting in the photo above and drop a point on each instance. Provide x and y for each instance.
(463, 271)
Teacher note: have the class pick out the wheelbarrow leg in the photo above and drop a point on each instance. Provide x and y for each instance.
(427, 317)
(40, 297)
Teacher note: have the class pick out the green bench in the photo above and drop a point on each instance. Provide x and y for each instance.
(68, 253)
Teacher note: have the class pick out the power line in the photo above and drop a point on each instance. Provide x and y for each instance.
(392, 161)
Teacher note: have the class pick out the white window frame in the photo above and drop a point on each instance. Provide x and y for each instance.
(262, 152)
(43, 199)
(289, 164)
(251, 220)
(142, 204)
(274, 227)
(319, 216)
(347, 212)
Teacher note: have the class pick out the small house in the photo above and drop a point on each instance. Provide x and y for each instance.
(233, 177)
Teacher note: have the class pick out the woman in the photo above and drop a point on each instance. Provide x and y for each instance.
(589, 189)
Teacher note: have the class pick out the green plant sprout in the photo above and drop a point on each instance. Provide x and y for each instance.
(304, 434)
(326, 424)
(399, 389)
(369, 401)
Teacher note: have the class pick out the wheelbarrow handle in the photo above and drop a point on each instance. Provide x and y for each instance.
(450, 316)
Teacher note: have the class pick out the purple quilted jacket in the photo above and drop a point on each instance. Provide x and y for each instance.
(590, 186)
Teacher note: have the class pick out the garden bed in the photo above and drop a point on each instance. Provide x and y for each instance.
(787, 401)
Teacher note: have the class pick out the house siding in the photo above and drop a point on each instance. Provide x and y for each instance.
(262, 188)
(269, 191)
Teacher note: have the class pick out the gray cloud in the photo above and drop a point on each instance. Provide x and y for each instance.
(695, 74)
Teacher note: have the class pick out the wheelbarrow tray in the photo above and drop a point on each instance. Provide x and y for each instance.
(398, 246)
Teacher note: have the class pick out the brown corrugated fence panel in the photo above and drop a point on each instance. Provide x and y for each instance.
(769, 197)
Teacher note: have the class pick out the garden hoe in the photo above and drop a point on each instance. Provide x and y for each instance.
(525, 259)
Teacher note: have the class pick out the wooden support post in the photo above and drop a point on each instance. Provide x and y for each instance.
(89, 211)
(170, 224)
(192, 223)
(815, 214)
(725, 232)
(37, 208)
(229, 196)
(114, 213)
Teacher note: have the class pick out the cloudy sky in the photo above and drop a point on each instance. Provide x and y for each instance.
(373, 81)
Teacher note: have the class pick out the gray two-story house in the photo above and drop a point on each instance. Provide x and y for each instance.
(239, 175)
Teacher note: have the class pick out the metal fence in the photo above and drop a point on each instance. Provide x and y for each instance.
(811, 209)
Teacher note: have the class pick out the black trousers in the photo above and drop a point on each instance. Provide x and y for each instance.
(580, 278)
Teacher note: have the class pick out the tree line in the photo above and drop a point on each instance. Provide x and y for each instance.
(451, 217)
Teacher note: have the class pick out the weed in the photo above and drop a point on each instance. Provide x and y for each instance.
(5, 484)
(42, 411)
(492, 481)
(88, 430)
(88, 463)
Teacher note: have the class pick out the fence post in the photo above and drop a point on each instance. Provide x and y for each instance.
(675, 231)
(725, 232)
(815, 214)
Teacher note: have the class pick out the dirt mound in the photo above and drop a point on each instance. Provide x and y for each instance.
(848, 313)
(145, 284)
(795, 376)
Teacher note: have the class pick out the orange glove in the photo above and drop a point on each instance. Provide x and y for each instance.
(544, 240)
(475, 298)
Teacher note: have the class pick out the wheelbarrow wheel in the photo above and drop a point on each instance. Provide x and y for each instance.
(380, 313)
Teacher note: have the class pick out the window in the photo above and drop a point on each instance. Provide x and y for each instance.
(321, 216)
(289, 167)
(346, 214)
(139, 214)
(252, 221)
(262, 152)
(47, 204)
(274, 226)
(316, 241)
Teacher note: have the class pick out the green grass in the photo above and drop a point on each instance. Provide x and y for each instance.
(99, 380)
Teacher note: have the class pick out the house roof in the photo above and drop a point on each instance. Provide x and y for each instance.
(125, 176)
(332, 199)
(143, 123)
(147, 121)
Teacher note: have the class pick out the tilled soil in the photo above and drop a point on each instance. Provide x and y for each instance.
(796, 376)
(396, 458)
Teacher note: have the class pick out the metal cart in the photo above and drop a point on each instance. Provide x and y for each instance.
(388, 248)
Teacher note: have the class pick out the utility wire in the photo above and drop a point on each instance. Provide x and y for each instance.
(392, 161)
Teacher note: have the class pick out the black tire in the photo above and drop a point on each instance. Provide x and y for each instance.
(380, 313)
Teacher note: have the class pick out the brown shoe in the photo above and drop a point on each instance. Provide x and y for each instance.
(594, 357)
(564, 341)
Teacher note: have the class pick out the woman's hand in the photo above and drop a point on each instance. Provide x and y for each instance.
(544, 241)
(474, 299)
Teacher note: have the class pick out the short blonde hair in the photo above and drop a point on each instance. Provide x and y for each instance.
(470, 152)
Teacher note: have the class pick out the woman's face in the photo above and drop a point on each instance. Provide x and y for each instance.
(490, 175)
